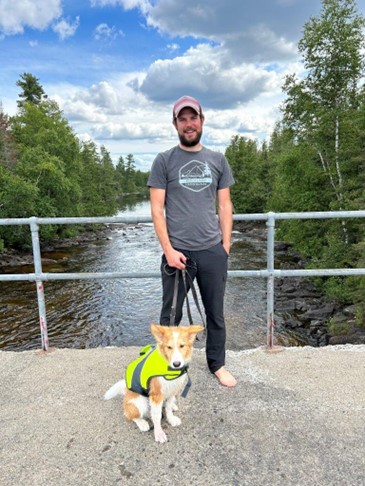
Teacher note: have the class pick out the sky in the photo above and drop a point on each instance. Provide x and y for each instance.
(116, 67)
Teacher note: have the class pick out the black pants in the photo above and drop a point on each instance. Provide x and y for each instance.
(209, 268)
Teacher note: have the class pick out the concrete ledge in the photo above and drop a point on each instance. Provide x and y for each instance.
(295, 418)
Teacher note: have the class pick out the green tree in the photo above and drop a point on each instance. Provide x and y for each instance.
(322, 140)
(130, 168)
(44, 125)
(32, 90)
(140, 180)
(120, 170)
(47, 173)
(322, 108)
(297, 187)
(108, 187)
(18, 199)
(7, 146)
(90, 179)
(41, 131)
(251, 170)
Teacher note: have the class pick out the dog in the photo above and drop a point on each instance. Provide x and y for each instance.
(147, 392)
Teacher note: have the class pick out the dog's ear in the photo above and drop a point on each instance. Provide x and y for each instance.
(193, 331)
(157, 332)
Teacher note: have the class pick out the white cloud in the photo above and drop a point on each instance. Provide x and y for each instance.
(132, 131)
(88, 105)
(65, 28)
(102, 95)
(260, 44)
(208, 74)
(242, 58)
(81, 111)
(38, 14)
(173, 47)
(143, 5)
(104, 32)
(101, 101)
(253, 30)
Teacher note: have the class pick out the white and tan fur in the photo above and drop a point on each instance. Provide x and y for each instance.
(176, 346)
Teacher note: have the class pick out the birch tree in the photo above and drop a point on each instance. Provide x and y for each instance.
(321, 108)
(324, 113)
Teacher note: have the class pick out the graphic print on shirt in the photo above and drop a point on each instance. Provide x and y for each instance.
(195, 176)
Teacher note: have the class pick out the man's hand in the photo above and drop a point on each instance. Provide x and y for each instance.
(227, 247)
(175, 259)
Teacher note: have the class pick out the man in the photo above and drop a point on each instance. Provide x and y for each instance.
(185, 184)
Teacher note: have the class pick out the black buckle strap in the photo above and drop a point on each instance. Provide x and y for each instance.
(186, 388)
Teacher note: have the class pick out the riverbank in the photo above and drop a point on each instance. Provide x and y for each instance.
(14, 258)
(295, 417)
(303, 314)
(307, 313)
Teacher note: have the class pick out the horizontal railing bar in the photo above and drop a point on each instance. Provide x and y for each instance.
(250, 217)
(148, 218)
(320, 215)
(321, 272)
(231, 274)
(79, 276)
(83, 220)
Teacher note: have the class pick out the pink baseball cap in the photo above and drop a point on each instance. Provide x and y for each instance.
(185, 102)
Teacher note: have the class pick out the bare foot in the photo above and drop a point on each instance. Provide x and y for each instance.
(225, 378)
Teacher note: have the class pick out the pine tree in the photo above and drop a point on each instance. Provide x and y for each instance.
(32, 90)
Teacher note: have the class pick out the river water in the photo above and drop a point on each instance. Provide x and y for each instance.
(92, 313)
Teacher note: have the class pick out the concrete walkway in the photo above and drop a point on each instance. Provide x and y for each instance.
(296, 418)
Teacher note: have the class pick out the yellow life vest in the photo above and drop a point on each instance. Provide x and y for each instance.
(149, 365)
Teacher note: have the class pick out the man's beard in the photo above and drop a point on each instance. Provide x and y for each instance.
(190, 143)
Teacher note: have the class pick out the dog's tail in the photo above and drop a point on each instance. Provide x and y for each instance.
(117, 389)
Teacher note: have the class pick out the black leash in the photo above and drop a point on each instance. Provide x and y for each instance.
(174, 299)
(173, 308)
(195, 297)
(175, 294)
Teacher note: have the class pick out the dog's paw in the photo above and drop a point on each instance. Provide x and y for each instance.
(174, 421)
(160, 436)
(175, 408)
(142, 424)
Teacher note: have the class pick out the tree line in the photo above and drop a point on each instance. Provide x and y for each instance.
(46, 171)
(315, 159)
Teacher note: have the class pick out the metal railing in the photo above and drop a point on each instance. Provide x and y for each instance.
(269, 273)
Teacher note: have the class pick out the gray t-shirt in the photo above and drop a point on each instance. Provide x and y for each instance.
(191, 181)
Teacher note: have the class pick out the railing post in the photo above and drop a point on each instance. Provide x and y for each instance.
(34, 228)
(270, 279)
